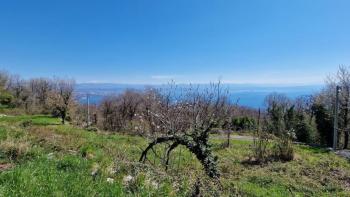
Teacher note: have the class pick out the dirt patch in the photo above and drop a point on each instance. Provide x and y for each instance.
(342, 177)
(5, 166)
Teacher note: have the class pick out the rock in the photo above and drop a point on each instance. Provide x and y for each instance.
(329, 149)
(343, 153)
(50, 156)
(155, 184)
(110, 180)
(127, 179)
(90, 156)
(95, 172)
(111, 170)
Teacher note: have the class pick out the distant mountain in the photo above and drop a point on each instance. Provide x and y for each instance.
(249, 95)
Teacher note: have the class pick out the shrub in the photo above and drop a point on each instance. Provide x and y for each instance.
(324, 124)
(283, 149)
(27, 123)
(304, 131)
(244, 123)
(260, 147)
(68, 164)
(5, 98)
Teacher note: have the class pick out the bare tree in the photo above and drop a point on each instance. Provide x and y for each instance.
(61, 96)
(6, 97)
(4, 79)
(128, 104)
(118, 112)
(40, 88)
(151, 102)
(186, 119)
(20, 90)
(111, 118)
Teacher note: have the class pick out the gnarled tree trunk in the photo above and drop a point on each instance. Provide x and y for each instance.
(198, 146)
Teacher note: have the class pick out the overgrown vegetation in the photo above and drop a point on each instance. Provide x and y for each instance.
(138, 142)
(54, 159)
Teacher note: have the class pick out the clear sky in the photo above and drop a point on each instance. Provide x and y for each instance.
(153, 41)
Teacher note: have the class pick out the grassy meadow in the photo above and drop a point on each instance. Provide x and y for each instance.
(40, 157)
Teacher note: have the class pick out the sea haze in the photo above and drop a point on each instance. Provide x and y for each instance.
(246, 95)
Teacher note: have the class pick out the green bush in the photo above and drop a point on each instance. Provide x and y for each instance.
(324, 124)
(304, 131)
(5, 98)
(26, 123)
(244, 123)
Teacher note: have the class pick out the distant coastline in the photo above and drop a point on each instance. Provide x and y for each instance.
(249, 95)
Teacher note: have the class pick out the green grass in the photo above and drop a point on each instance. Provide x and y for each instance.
(35, 119)
(50, 159)
(3, 106)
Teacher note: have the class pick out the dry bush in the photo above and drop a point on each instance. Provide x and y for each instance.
(283, 148)
(111, 119)
(260, 147)
(40, 91)
(14, 150)
(117, 113)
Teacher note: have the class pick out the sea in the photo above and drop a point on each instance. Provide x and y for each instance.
(248, 95)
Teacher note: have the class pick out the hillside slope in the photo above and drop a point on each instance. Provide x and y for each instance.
(40, 157)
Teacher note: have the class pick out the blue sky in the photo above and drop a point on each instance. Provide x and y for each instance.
(153, 41)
